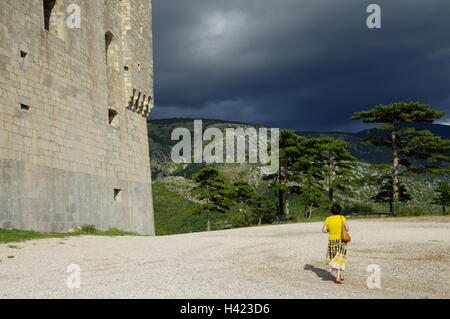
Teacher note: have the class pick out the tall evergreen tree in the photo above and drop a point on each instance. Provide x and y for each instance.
(405, 140)
(282, 182)
(309, 173)
(213, 190)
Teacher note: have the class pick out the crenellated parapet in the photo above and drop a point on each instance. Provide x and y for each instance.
(140, 103)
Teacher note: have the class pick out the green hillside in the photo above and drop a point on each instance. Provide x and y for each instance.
(174, 213)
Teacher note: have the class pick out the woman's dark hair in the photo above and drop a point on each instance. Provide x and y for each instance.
(336, 209)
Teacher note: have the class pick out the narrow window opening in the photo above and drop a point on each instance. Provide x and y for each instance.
(23, 54)
(126, 68)
(54, 14)
(112, 51)
(48, 8)
(108, 40)
(113, 118)
(117, 194)
(24, 107)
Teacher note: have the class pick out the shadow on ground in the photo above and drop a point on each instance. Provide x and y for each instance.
(321, 273)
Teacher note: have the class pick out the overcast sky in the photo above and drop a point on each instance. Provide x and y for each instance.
(299, 64)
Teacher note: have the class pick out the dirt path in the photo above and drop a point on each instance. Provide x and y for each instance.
(262, 262)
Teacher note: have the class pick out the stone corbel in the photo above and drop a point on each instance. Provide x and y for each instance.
(147, 107)
(140, 105)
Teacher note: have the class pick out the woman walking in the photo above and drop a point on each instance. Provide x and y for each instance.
(337, 248)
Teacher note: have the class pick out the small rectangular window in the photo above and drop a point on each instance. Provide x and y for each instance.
(24, 107)
(23, 54)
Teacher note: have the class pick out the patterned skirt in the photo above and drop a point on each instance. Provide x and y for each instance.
(336, 254)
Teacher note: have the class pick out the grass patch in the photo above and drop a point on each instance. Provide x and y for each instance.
(15, 236)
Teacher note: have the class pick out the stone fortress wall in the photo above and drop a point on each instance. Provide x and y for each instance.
(73, 110)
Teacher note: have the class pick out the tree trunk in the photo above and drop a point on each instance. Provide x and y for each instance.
(309, 212)
(208, 222)
(260, 219)
(395, 177)
(246, 218)
(280, 194)
(444, 210)
(286, 203)
(280, 203)
(243, 209)
(330, 183)
(391, 205)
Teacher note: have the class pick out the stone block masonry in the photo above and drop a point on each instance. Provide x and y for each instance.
(73, 110)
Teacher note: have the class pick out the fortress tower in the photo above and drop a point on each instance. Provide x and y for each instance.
(73, 109)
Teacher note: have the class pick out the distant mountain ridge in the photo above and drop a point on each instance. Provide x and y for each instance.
(437, 129)
(372, 154)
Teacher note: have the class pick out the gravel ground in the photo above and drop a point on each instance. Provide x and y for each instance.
(283, 261)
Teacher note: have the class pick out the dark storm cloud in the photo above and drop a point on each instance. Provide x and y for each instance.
(302, 64)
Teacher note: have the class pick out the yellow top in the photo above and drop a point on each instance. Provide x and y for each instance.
(334, 224)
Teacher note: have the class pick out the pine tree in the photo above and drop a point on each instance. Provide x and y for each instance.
(308, 165)
(386, 195)
(214, 191)
(261, 206)
(382, 179)
(405, 140)
(243, 193)
(312, 195)
(282, 182)
(336, 164)
(442, 196)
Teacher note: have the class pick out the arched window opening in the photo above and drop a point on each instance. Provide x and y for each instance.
(109, 37)
(54, 17)
(112, 51)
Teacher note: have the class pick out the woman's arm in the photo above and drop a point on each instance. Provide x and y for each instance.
(346, 226)
(325, 228)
